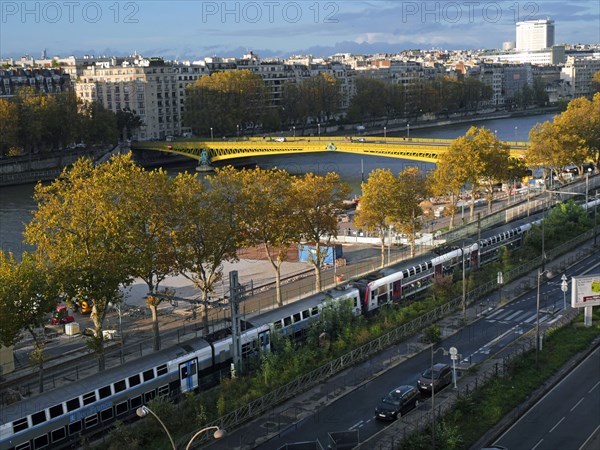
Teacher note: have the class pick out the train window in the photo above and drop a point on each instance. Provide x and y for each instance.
(40, 441)
(287, 321)
(163, 390)
(149, 396)
(134, 380)
(91, 421)
(24, 446)
(89, 398)
(106, 414)
(58, 434)
(306, 314)
(297, 317)
(161, 370)
(104, 392)
(73, 404)
(56, 410)
(38, 417)
(149, 375)
(314, 311)
(278, 325)
(120, 386)
(184, 372)
(136, 402)
(121, 408)
(20, 425)
(74, 428)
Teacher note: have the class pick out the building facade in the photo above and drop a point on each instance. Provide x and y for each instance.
(535, 34)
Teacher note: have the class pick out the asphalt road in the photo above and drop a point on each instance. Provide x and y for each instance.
(475, 343)
(566, 417)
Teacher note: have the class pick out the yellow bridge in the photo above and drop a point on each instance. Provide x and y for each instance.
(210, 151)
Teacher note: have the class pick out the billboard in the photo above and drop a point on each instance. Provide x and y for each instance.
(585, 291)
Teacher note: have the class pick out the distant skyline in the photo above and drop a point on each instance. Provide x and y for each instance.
(196, 29)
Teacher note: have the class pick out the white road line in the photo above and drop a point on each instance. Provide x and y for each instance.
(357, 424)
(593, 387)
(522, 316)
(496, 313)
(589, 438)
(553, 320)
(557, 424)
(531, 319)
(513, 315)
(576, 404)
(536, 445)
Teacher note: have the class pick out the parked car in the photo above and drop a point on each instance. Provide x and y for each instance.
(397, 402)
(280, 139)
(439, 378)
(359, 140)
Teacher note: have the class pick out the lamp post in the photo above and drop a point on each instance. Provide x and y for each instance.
(516, 135)
(595, 222)
(211, 134)
(219, 433)
(389, 243)
(117, 307)
(143, 411)
(408, 130)
(433, 394)
(564, 287)
(238, 130)
(384, 132)
(319, 128)
(500, 281)
(541, 273)
(294, 128)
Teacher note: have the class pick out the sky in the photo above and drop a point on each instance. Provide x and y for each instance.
(194, 29)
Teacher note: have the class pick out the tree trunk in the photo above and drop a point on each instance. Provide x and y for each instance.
(383, 251)
(278, 284)
(98, 338)
(205, 312)
(472, 205)
(155, 328)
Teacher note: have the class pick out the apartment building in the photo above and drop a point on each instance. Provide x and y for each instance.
(577, 75)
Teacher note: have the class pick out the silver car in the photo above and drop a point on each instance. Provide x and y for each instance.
(439, 378)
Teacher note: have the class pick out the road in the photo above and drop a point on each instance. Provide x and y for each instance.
(566, 417)
(475, 343)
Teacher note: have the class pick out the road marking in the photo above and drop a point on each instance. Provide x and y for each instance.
(513, 315)
(496, 313)
(531, 319)
(593, 387)
(357, 424)
(536, 445)
(557, 424)
(577, 404)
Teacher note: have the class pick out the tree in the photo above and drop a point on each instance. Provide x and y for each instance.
(78, 229)
(581, 120)
(316, 198)
(412, 189)
(448, 179)
(9, 125)
(596, 82)
(28, 293)
(127, 123)
(147, 217)
(209, 230)
(269, 217)
(494, 158)
(369, 101)
(225, 101)
(377, 207)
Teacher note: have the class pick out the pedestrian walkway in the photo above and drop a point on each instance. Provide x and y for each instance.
(288, 414)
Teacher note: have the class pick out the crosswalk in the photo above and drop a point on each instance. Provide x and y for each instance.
(507, 316)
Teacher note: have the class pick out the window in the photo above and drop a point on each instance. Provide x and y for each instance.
(278, 325)
(306, 314)
(120, 386)
(56, 410)
(88, 398)
(148, 375)
(24, 446)
(104, 392)
(297, 317)
(37, 418)
(106, 414)
(136, 402)
(163, 390)
(40, 441)
(314, 311)
(149, 396)
(287, 321)
(73, 404)
(134, 380)
(20, 425)
(74, 428)
(91, 421)
(121, 408)
(59, 434)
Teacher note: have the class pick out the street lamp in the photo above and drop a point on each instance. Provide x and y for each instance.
(294, 128)
(389, 243)
(319, 128)
(500, 281)
(564, 287)
(117, 307)
(143, 411)
(384, 132)
(219, 433)
(211, 134)
(408, 130)
(238, 130)
(516, 135)
(541, 273)
(445, 352)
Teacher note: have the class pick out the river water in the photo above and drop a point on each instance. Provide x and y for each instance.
(16, 202)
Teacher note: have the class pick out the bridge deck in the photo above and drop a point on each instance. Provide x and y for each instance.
(425, 150)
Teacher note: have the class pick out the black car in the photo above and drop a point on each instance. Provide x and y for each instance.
(442, 377)
(397, 402)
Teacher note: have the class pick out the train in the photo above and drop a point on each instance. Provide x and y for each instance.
(61, 417)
